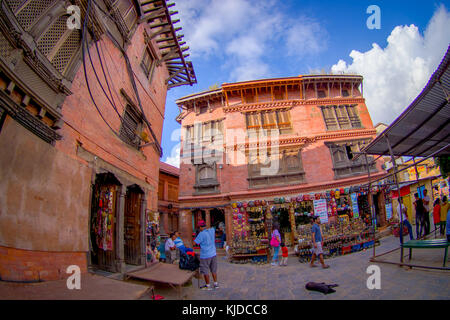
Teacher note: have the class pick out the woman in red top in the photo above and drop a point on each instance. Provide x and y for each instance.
(437, 212)
(284, 254)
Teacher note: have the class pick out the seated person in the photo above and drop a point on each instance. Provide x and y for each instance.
(180, 245)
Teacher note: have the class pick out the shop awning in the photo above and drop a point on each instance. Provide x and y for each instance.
(424, 127)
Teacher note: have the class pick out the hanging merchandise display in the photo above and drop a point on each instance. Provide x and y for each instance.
(104, 220)
(338, 238)
(250, 236)
(152, 238)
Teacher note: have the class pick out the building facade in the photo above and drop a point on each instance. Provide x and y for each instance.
(81, 114)
(168, 206)
(270, 138)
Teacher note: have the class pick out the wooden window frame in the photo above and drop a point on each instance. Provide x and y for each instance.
(149, 70)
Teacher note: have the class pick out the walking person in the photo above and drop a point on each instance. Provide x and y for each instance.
(317, 240)
(448, 225)
(436, 214)
(275, 243)
(208, 257)
(444, 209)
(426, 203)
(284, 255)
(420, 216)
(403, 217)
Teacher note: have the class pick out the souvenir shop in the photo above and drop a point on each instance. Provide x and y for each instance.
(152, 237)
(106, 211)
(344, 213)
(252, 222)
(102, 222)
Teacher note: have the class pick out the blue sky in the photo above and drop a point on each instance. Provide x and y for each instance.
(235, 40)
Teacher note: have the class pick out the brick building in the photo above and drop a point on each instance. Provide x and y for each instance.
(168, 206)
(257, 140)
(81, 149)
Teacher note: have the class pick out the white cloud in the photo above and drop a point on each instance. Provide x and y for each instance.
(395, 75)
(247, 34)
(174, 158)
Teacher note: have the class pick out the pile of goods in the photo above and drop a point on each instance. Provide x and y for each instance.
(338, 238)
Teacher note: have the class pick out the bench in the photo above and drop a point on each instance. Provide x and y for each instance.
(165, 273)
(427, 244)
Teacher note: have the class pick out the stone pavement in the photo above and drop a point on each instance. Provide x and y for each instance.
(93, 287)
(266, 282)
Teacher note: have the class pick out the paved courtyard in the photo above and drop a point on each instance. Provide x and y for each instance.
(266, 282)
(247, 281)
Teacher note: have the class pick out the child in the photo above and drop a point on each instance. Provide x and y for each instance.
(284, 254)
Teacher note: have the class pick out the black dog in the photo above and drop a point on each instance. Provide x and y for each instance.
(321, 287)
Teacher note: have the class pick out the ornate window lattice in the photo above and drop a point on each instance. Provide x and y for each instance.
(48, 41)
(65, 53)
(28, 14)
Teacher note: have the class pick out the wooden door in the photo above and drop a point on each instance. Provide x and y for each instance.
(132, 227)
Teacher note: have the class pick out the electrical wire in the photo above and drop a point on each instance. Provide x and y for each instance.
(131, 76)
(83, 48)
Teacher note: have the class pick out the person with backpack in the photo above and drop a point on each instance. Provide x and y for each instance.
(420, 216)
(275, 243)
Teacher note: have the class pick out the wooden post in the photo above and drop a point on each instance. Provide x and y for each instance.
(287, 98)
(143, 229)
(185, 227)
(242, 97)
(208, 218)
(226, 98)
(256, 94)
(120, 227)
(271, 92)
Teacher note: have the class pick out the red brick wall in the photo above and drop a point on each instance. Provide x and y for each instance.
(26, 265)
(307, 121)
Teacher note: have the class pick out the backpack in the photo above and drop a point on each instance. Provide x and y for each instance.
(188, 262)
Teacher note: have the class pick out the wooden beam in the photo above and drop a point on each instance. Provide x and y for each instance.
(242, 97)
(285, 86)
(271, 92)
(226, 98)
(166, 29)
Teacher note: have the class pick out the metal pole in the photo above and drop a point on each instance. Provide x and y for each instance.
(400, 200)
(371, 200)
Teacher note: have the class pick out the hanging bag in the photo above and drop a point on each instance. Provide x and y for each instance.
(274, 241)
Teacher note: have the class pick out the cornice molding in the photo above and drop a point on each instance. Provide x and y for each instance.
(261, 106)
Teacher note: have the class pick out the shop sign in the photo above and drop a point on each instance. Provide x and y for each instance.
(354, 198)
(320, 209)
(388, 210)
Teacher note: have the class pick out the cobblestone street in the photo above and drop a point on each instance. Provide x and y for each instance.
(254, 282)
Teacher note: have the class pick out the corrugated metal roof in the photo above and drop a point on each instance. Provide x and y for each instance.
(424, 127)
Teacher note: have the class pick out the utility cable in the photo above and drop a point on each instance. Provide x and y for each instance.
(83, 47)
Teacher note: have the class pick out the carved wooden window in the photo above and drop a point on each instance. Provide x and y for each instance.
(128, 12)
(269, 120)
(340, 117)
(321, 94)
(148, 62)
(131, 127)
(342, 154)
(264, 172)
(253, 121)
(206, 178)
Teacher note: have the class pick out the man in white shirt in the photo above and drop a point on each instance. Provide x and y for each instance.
(402, 216)
(170, 248)
(426, 203)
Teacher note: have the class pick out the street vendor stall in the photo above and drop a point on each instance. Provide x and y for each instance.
(249, 242)
(342, 237)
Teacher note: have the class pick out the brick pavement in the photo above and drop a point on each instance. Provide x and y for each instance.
(266, 282)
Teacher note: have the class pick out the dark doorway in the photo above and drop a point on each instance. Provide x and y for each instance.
(132, 225)
(103, 222)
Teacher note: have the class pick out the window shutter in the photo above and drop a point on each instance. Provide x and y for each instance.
(129, 127)
(330, 120)
(354, 118)
(342, 116)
